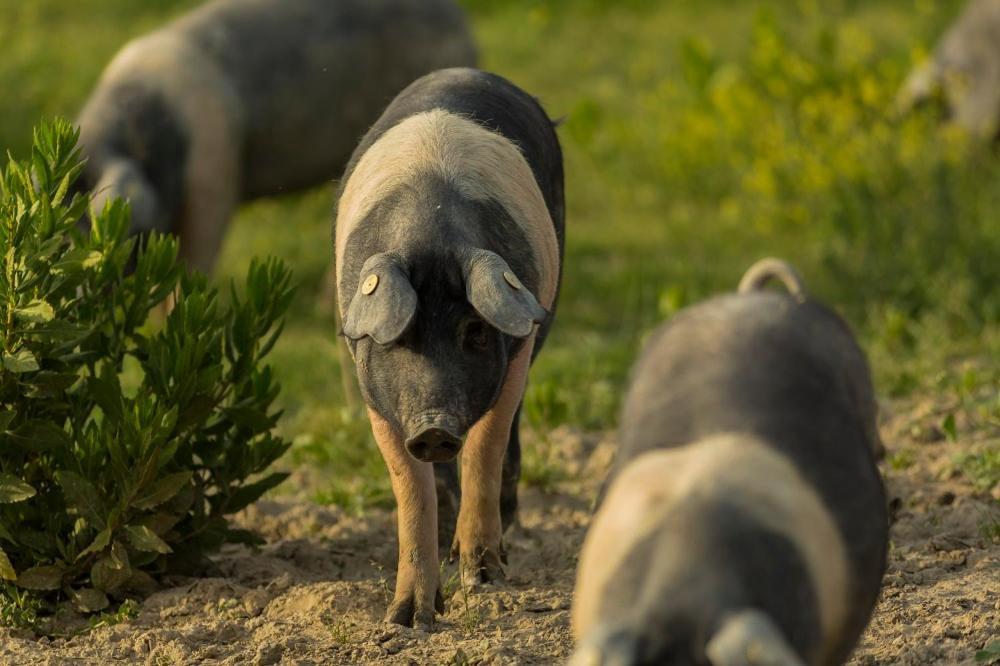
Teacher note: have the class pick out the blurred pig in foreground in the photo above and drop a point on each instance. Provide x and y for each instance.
(241, 99)
(745, 521)
(964, 71)
(449, 252)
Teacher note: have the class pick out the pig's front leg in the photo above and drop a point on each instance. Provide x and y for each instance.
(417, 588)
(479, 531)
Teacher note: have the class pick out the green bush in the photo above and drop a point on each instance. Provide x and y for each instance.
(124, 441)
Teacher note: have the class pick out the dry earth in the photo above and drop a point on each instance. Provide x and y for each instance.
(316, 592)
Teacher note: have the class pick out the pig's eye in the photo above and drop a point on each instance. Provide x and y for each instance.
(476, 336)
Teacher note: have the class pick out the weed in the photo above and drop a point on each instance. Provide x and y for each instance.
(127, 610)
(19, 609)
(990, 653)
(982, 469)
(340, 632)
(900, 460)
(989, 529)
(471, 617)
(383, 584)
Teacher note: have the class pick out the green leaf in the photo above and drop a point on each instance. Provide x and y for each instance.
(46, 577)
(6, 568)
(144, 539)
(99, 543)
(6, 418)
(250, 493)
(21, 361)
(990, 652)
(108, 577)
(106, 391)
(89, 600)
(37, 312)
(92, 259)
(13, 489)
(163, 490)
(82, 497)
(39, 436)
(948, 428)
(250, 417)
(119, 556)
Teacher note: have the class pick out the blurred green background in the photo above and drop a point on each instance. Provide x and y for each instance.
(699, 135)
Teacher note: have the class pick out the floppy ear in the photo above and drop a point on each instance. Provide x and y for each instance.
(499, 296)
(384, 304)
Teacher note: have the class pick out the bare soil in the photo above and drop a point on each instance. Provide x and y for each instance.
(315, 594)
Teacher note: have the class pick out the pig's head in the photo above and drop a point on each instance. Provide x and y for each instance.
(123, 178)
(433, 332)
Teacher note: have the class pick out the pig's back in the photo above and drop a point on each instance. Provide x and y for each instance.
(494, 103)
(313, 75)
(785, 371)
(762, 364)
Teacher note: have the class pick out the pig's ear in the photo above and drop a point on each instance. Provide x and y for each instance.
(499, 296)
(384, 304)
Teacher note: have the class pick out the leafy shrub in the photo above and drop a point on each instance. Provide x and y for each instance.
(123, 444)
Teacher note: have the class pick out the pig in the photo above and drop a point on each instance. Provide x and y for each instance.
(448, 244)
(964, 71)
(744, 521)
(242, 99)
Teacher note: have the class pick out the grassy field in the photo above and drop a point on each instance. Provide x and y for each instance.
(699, 136)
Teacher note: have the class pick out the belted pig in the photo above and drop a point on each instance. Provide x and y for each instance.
(964, 71)
(449, 242)
(745, 519)
(241, 99)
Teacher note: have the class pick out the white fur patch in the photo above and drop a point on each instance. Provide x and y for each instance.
(737, 467)
(479, 163)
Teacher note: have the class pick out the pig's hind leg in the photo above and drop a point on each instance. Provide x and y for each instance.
(511, 474)
(480, 527)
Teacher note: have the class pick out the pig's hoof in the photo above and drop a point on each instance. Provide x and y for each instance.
(411, 612)
(480, 567)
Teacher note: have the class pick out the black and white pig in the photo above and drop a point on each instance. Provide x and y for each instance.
(241, 99)
(964, 71)
(745, 521)
(449, 241)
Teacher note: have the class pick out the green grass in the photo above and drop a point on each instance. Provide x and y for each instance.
(699, 136)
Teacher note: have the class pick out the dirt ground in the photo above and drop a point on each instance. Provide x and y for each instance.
(315, 594)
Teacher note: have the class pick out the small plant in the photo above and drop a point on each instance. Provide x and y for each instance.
(383, 584)
(128, 610)
(901, 460)
(18, 608)
(990, 653)
(982, 469)
(948, 427)
(989, 529)
(122, 446)
(541, 468)
(340, 631)
(471, 617)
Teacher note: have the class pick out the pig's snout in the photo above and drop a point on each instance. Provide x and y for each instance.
(435, 441)
(607, 649)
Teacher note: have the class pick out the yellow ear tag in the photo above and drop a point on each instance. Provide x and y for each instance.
(369, 284)
(512, 280)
